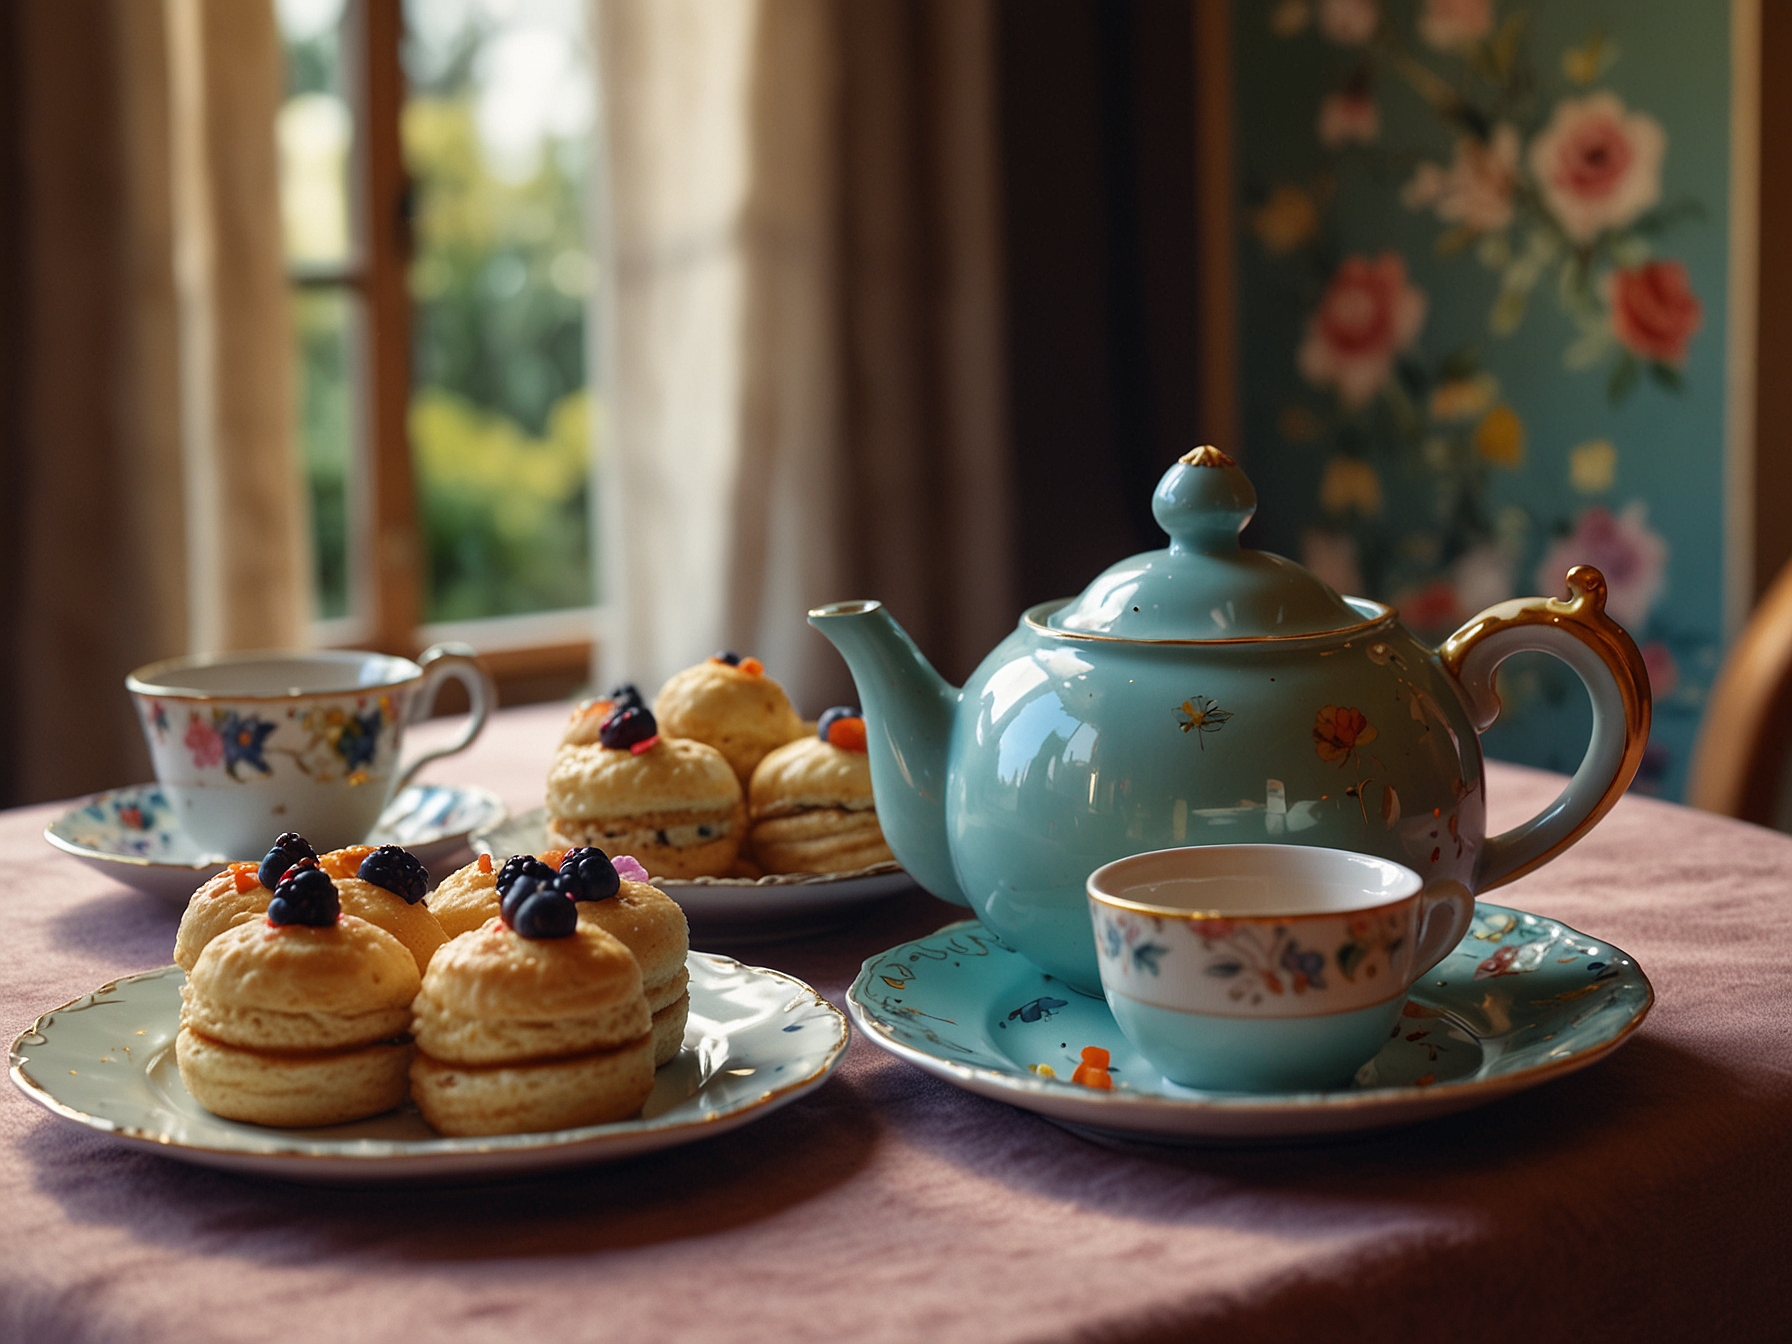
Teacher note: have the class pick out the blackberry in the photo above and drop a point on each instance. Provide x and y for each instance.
(626, 696)
(726, 656)
(586, 874)
(521, 889)
(288, 849)
(519, 864)
(546, 914)
(628, 728)
(305, 896)
(397, 870)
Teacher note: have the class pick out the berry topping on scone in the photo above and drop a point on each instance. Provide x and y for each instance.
(844, 727)
(586, 874)
(305, 895)
(634, 730)
(288, 849)
(397, 870)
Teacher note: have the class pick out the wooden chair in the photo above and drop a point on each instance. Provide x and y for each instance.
(1739, 765)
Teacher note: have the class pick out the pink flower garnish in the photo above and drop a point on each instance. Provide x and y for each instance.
(626, 866)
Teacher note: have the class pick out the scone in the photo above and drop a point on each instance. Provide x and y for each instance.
(810, 802)
(729, 703)
(385, 886)
(466, 898)
(646, 921)
(235, 896)
(673, 804)
(301, 1018)
(533, 1024)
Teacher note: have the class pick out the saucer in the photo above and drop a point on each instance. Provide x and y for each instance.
(130, 834)
(737, 910)
(756, 1040)
(1520, 1001)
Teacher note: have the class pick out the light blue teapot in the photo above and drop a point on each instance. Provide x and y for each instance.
(1211, 694)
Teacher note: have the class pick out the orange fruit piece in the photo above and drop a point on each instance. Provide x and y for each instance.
(847, 734)
(341, 863)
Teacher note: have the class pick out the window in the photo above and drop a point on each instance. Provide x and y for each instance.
(434, 165)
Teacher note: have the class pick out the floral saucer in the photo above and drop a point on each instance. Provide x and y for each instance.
(1520, 1001)
(737, 910)
(131, 836)
(757, 1039)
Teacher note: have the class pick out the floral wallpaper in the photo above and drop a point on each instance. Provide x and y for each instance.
(1482, 249)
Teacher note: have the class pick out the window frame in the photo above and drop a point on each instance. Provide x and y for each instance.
(533, 656)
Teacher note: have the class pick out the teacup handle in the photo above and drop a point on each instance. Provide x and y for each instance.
(1606, 659)
(442, 662)
(1446, 910)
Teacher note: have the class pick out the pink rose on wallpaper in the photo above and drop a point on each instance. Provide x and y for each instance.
(1431, 607)
(1349, 23)
(1368, 314)
(1451, 24)
(1476, 189)
(1632, 556)
(1654, 311)
(1598, 166)
(1348, 117)
(1664, 672)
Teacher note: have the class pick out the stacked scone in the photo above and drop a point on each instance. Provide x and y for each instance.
(562, 991)
(810, 802)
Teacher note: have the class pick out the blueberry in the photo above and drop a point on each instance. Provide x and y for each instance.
(305, 896)
(586, 874)
(726, 656)
(625, 696)
(288, 849)
(397, 870)
(627, 728)
(834, 715)
(517, 865)
(546, 914)
(521, 888)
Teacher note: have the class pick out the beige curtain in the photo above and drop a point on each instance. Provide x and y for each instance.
(801, 330)
(149, 468)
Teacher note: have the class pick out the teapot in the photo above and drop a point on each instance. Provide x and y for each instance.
(1206, 694)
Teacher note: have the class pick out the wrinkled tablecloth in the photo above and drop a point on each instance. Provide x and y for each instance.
(1644, 1198)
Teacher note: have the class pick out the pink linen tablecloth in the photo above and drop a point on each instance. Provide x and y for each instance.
(1643, 1199)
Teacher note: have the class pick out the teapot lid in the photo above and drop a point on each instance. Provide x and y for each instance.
(1205, 586)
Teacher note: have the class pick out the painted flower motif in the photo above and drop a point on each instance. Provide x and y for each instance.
(1287, 220)
(1368, 315)
(1338, 731)
(1349, 23)
(1464, 398)
(1306, 969)
(1655, 314)
(1348, 117)
(1631, 554)
(1598, 165)
(1145, 957)
(244, 738)
(1350, 485)
(1476, 189)
(1332, 556)
(1593, 467)
(359, 739)
(1499, 438)
(1200, 715)
(1450, 25)
(203, 742)
(158, 719)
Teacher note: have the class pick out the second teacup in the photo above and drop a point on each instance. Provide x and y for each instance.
(1253, 968)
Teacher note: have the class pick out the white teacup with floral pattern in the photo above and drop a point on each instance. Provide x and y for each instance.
(1265, 968)
(248, 745)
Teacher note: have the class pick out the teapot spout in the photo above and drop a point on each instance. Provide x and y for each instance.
(908, 710)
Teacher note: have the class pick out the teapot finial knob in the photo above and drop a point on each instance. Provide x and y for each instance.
(1204, 501)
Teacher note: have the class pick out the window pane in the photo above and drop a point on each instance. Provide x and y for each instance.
(496, 132)
(316, 135)
(325, 325)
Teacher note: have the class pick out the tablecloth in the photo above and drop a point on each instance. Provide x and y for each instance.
(1645, 1198)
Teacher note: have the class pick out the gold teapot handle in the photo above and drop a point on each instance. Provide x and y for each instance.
(1606, 659)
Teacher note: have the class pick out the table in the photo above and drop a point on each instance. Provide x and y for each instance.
(1645, 1198)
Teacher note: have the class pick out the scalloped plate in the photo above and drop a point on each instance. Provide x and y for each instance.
(1520, 1001)
(737, 909)
(130, 834)
(757, 1039)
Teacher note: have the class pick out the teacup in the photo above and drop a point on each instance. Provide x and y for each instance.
(248, 745)
(1265, 968)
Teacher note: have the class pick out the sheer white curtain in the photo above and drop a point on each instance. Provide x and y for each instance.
(801, 325)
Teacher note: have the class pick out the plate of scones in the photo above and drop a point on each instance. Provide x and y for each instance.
(329, 1019)
(759, 824)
